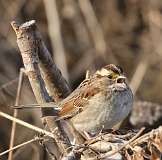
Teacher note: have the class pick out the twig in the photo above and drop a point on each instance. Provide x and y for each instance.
(15, 113)
(55, 35)
(20, 145)
(87, 74)
(147, 136)
(72, 155)
(108, 154)
(25, 124)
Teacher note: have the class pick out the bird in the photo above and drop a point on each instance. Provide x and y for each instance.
(100, 102)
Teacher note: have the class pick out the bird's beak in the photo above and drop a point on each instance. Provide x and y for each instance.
(121, 79)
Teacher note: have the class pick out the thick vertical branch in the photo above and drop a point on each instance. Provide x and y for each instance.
(56, 85)
(29, 47)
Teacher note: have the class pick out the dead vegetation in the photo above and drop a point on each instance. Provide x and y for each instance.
(84, 35)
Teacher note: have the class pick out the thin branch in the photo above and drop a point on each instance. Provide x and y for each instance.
(20, 145)
(15, 114)
(147, 136)
(72, 155)
(108, 154)
(27, 125)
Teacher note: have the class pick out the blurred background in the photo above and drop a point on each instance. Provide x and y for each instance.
(84, 35)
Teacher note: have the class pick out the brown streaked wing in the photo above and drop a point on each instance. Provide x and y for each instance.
(76, 101)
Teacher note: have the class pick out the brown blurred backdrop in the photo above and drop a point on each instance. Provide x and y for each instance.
(81, 35)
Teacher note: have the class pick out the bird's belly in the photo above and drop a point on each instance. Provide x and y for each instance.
(91, 119)
(103, 115)
(90, 123)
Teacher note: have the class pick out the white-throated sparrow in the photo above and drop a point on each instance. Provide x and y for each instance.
(100, 102)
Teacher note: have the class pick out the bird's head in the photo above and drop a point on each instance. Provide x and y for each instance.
(113, 72)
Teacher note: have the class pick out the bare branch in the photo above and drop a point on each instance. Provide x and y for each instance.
(20, 145)
(108, 154)
(29, 47)
(25, 124)
(15, 113)
(148, 136)
(56, 85)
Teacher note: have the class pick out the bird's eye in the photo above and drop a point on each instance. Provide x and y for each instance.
(110, 76)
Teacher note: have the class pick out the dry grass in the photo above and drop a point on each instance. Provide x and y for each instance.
(90, 34)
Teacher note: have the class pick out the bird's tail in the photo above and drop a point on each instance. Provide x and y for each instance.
(34, 106)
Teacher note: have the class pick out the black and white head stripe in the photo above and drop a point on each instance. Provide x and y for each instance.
(115, 68)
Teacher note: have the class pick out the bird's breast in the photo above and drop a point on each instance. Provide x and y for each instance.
(104, 111)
